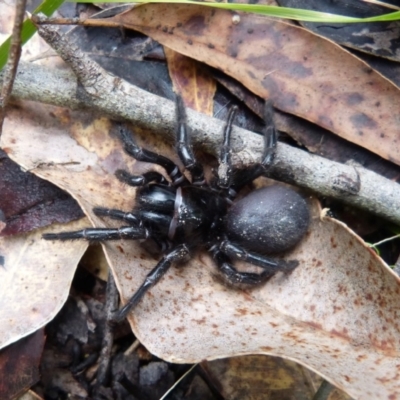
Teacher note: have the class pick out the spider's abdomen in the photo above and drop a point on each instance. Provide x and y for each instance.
(269, 220)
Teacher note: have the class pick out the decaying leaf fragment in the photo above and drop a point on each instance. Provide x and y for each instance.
(19, 365)
(258, 377)
(190, 80)
(337, 313)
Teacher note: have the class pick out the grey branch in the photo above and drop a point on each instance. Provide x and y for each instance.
(109, 95)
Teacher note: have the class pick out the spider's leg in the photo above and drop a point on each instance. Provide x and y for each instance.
(140, 180)
(235, 277)
(101, 234)
(178, 253)
(225, 160)
(242, 177)
(144, 155)
(236, 252)
(132, 218)
(270, 136)
(184, 148)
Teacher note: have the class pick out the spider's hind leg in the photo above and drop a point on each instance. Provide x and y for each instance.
(267, 263)
(235, 277)
(226, 251)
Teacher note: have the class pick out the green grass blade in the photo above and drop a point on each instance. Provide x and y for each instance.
(272, 11)
(47, 7)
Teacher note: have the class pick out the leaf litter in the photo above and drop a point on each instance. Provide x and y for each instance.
(304, 74)
(337, 313)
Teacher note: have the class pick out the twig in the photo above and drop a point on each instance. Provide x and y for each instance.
(132, 348)
(178, 381)
(108, 338)
(383, 4)
(384, 241)
(324, 391)
(109, 95)
(10, 69)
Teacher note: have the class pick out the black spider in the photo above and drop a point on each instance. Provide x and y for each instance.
(181, 215)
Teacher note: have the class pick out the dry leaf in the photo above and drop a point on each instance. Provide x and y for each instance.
(30, 203)
(304, 74)
(260, 378)
(35, 279)
(337, 313)
(379, 38)
(19, 365)
(191, 81)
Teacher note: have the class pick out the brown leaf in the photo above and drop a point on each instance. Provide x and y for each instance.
(29, 202)
(379, 38)
(259, 378)
(19, 365)
(191, 81)
(304, 74)
(35, 280)
(265, 378)
(337, 313)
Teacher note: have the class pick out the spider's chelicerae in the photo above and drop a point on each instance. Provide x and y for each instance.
(182, 215)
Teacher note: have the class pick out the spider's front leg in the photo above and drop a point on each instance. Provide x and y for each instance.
(144, 155)
(184, 148)
(240, 177)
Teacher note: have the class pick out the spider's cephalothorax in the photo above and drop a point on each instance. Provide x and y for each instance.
(181, 215)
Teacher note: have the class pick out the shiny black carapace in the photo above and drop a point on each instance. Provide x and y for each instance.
(182, 215)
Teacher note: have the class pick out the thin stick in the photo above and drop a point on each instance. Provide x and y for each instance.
(385, 240)
(108, 338)
(13, 59)
(39, 19)
(178, 381)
